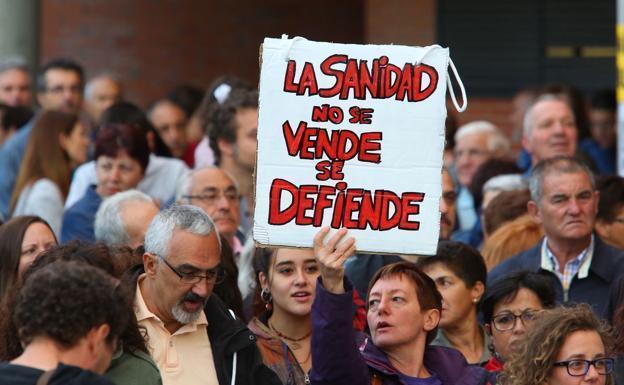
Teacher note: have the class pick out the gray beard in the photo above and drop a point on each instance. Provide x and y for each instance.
(184, 317)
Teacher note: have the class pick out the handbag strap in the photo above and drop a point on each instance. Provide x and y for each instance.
(44, 379)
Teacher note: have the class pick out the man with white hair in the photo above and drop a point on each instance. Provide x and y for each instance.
(122, 219)
(549, 129)
(101, 92)
(191, 335)
(476, 142)
(215, 191)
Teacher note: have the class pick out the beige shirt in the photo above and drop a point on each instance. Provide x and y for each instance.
(184, 357)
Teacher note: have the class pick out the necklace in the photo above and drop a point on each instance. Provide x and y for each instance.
(295, 345)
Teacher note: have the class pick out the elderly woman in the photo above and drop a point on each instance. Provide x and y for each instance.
(403, 314)
(509, 307)
(567, 346)
(121, 157)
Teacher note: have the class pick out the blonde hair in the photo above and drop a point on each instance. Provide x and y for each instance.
(510, 239)
(534, 361)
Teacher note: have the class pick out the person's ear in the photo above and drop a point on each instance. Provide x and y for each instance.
(526, 144)
(149, 264)
(534, 211)
(264, 281)
(488, 329)
(477, 291)
(225, 147)
(96, 338)
(151, 140)
(432, 319)
(63, 139)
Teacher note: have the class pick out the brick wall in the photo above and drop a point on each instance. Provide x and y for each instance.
(156, 44)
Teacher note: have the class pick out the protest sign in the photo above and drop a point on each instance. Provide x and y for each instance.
(350, 136)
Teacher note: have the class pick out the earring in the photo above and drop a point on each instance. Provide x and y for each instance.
(475, 300)
(267, 298)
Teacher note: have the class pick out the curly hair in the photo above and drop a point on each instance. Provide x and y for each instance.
(221, 118)
(65, 300)
(534, 361)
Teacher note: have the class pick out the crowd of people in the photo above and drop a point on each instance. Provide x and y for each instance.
(126, 254)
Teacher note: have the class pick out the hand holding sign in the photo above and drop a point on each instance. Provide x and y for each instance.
(331, 257)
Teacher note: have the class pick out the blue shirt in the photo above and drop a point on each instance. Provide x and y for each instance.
(604, 159)
(11, 154)
(78, 219)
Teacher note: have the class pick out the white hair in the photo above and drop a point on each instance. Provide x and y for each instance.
(104, 75)
(497, 143)
(506, 182)
(185, 187)
(13, 63)
(527, 122)
(109, 227)
(177, 217)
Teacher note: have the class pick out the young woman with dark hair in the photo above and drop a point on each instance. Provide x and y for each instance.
(22, 239)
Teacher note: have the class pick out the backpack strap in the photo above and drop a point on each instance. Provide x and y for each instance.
(44, 379)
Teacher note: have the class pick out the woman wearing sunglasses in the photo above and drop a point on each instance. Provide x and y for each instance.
(566, 346)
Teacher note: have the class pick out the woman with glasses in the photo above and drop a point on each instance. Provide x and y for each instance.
(460, 274)
(566, 346)
(509, 307)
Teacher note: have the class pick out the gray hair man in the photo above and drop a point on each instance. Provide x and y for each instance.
(549, 129)
(582, 267)
(101, 92)
(214, 191)
(123, 218)
(476, 142)
(15, 82)
(185, 323)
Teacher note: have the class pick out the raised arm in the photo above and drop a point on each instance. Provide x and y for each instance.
(335, 356)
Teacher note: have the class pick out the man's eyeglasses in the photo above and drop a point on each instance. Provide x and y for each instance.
(61, 89)
(507, 320)
(579, 368)
(215, 276)
(230, 196)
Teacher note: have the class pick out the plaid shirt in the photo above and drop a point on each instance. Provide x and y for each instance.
(579, 265)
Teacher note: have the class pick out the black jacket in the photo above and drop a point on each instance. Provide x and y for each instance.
(230, 338)
(63, 375)
(606, 266)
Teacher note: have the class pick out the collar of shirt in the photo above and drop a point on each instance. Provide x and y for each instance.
(142, 312)
(550, 262)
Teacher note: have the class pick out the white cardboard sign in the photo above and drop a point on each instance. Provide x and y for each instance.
(350, 136)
